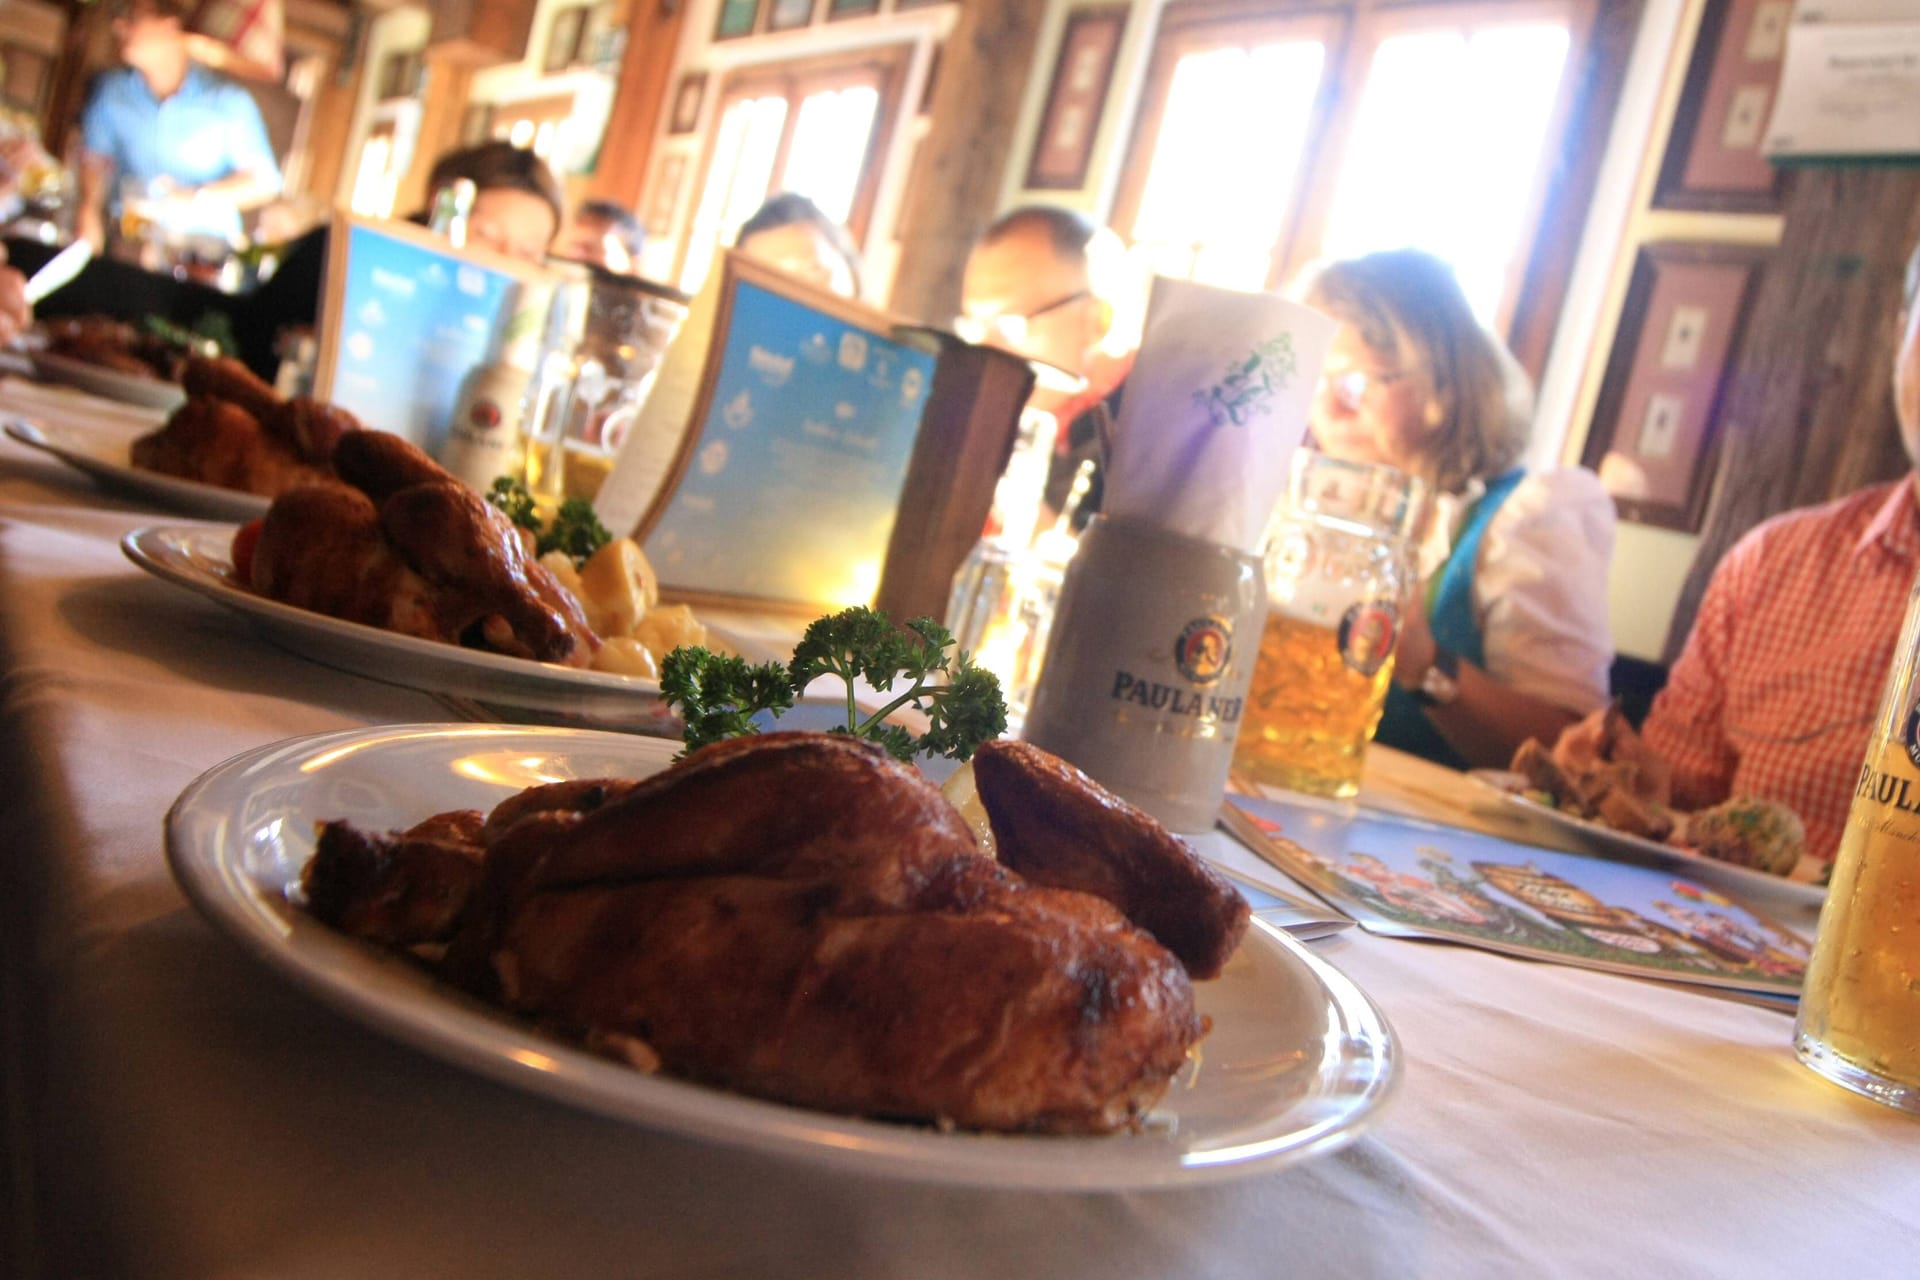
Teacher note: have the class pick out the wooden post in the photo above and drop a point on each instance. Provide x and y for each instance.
(646, 71)
(444, 101)
(984, 68)
(1810, 410)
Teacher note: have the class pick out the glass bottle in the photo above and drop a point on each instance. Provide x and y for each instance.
(1859, 1018)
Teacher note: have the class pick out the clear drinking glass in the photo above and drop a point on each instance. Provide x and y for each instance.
(604, 345)
(1337, 567)
(1859, 1019)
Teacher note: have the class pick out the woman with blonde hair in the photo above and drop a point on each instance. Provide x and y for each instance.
(1508, 637)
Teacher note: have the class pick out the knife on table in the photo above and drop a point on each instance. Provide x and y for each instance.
(58, 270)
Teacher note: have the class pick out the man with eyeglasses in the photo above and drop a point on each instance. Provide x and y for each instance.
(1048, 283)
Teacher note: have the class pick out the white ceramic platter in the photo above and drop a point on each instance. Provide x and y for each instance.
(1298, 1059)
(113, 384)
(1640, 849)
(105, 459)
(199, 560)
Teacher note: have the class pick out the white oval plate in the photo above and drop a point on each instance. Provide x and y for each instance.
(1640, 849)
(199, 560)
(127, 388)
(1298, 1059)
(107, 462)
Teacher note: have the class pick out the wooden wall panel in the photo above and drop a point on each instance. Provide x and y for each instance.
(1810, 410)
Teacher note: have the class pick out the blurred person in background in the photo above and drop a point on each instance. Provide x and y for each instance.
(1774, 694)
(790, 234)
(1507, 638)
(190, 139)
(517, 204)
(1050, 284)
(517, 209)
(602, 233)
(15, 314)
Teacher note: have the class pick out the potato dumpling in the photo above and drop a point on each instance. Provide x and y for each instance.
(625, 656)
(618, 586)
(560, 565)
(668, 627)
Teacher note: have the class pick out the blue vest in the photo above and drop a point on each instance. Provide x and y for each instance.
(1450, 616)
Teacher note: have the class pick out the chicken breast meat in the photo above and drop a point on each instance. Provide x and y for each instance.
(802, 918)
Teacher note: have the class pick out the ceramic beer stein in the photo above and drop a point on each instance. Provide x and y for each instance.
(1147, 666)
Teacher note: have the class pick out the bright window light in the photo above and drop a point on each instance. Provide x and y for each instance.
(1216, 199)
(1446, 148)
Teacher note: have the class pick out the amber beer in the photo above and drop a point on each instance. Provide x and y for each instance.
(1859, 1022)
(1315, 702)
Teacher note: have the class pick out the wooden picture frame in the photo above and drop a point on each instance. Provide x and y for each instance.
(789, 15)
(27, 72)
(1657, 426)
(400, 75)
(565, 36)
(1713, 161)
(736, 18)
(687, 98)
(838, 9)
(1076, 98)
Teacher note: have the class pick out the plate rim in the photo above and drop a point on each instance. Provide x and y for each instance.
(176, 491)
(1759, 881)
(109, 384)
(468, 1035)
(527, 676)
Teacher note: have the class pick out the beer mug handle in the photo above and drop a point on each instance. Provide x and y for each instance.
(613, 431)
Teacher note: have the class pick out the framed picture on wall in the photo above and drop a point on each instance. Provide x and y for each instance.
(1082, 72)
(565, 36)
(786, 15)
(1713, 159)
(837, 9)
(737, 18)
(1656, 425)
(687, 96)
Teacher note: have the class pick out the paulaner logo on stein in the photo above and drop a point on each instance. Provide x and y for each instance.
(1367, 632)
(1204, 649)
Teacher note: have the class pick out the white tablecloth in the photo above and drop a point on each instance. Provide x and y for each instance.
(175, 1110)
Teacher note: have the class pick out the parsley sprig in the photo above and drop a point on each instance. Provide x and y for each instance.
(574, 529)
(719, 696)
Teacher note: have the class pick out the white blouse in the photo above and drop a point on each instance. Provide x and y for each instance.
(1540, 585)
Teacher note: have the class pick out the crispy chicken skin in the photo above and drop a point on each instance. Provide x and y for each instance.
(1056, 827)
(236, 432)
(404, 546)
(799, 917)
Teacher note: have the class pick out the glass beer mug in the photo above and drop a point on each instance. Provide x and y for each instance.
(1337, 566)
(604, 345)
(1859, 1020)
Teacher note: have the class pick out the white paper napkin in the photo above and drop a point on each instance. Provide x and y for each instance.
(1214, 409)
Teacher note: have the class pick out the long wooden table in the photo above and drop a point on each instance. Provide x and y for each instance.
(174, 1109)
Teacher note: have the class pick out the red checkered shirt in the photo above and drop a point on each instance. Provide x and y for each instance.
(1777, 688)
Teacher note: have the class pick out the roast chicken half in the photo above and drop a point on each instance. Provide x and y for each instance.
(236, 432)
(400, 544)
(802, 918)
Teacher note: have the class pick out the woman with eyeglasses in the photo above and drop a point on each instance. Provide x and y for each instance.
(1508, 637)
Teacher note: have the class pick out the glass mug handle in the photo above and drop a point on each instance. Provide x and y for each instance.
(551, 409)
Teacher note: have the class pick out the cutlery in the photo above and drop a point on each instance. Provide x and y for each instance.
(58, 270)
(1302, 917)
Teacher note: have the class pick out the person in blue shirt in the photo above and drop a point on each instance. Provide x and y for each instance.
(192, 139)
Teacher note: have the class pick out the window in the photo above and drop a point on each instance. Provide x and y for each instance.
(1433, 125)
(816, 128)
